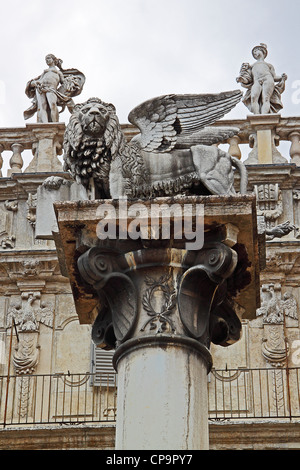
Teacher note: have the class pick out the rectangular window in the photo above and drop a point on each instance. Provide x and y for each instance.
(103, 372)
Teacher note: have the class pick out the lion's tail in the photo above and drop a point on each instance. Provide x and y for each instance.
(243, 173)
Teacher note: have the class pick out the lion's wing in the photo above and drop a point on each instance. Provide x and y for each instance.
(161, 120)
(207, 136)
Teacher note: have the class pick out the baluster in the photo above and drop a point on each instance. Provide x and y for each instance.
(16, 161)
(234, 149)
(294, 137)
(1, 159)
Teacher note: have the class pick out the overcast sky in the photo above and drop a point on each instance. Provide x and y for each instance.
(133, 50)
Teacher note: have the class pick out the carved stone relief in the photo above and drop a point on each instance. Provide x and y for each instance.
(25, 267)
(285, 262)
(159, 312)
(7, 238)
(26, 313)
(29, 312)
(269, 202)
(275, 306)
(11, 206)
(31, 211)
(275, 309)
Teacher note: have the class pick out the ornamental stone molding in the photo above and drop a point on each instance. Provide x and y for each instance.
(141, 302)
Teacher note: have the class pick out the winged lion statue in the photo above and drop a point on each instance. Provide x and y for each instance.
(172, 154)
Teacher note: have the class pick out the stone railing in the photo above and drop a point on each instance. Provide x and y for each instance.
(245, 394)
(262, 133)
(43, 140)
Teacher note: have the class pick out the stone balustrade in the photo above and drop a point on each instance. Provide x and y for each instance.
(45, 141)
(282, 129)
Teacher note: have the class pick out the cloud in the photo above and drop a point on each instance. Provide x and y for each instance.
(134, 50)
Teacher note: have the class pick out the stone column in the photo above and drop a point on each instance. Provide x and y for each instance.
(294, 137)
(162, 394)
(164, 307)
(16, 160)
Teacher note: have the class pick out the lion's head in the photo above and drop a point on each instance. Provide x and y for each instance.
(93, 138)
(94, 116)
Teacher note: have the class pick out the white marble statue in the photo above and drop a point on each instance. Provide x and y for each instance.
(53, 88)
(264, 87)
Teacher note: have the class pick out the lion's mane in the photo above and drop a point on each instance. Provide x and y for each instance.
(88, 157)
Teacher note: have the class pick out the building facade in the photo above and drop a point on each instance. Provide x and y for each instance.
(58, 391)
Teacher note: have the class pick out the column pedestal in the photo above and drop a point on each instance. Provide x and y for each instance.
(264, 137)
(46, 148)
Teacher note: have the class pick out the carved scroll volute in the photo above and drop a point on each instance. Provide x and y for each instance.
(202, 289)
(118, 299)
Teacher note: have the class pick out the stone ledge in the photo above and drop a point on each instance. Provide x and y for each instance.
(62, 437)
(261, 435)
